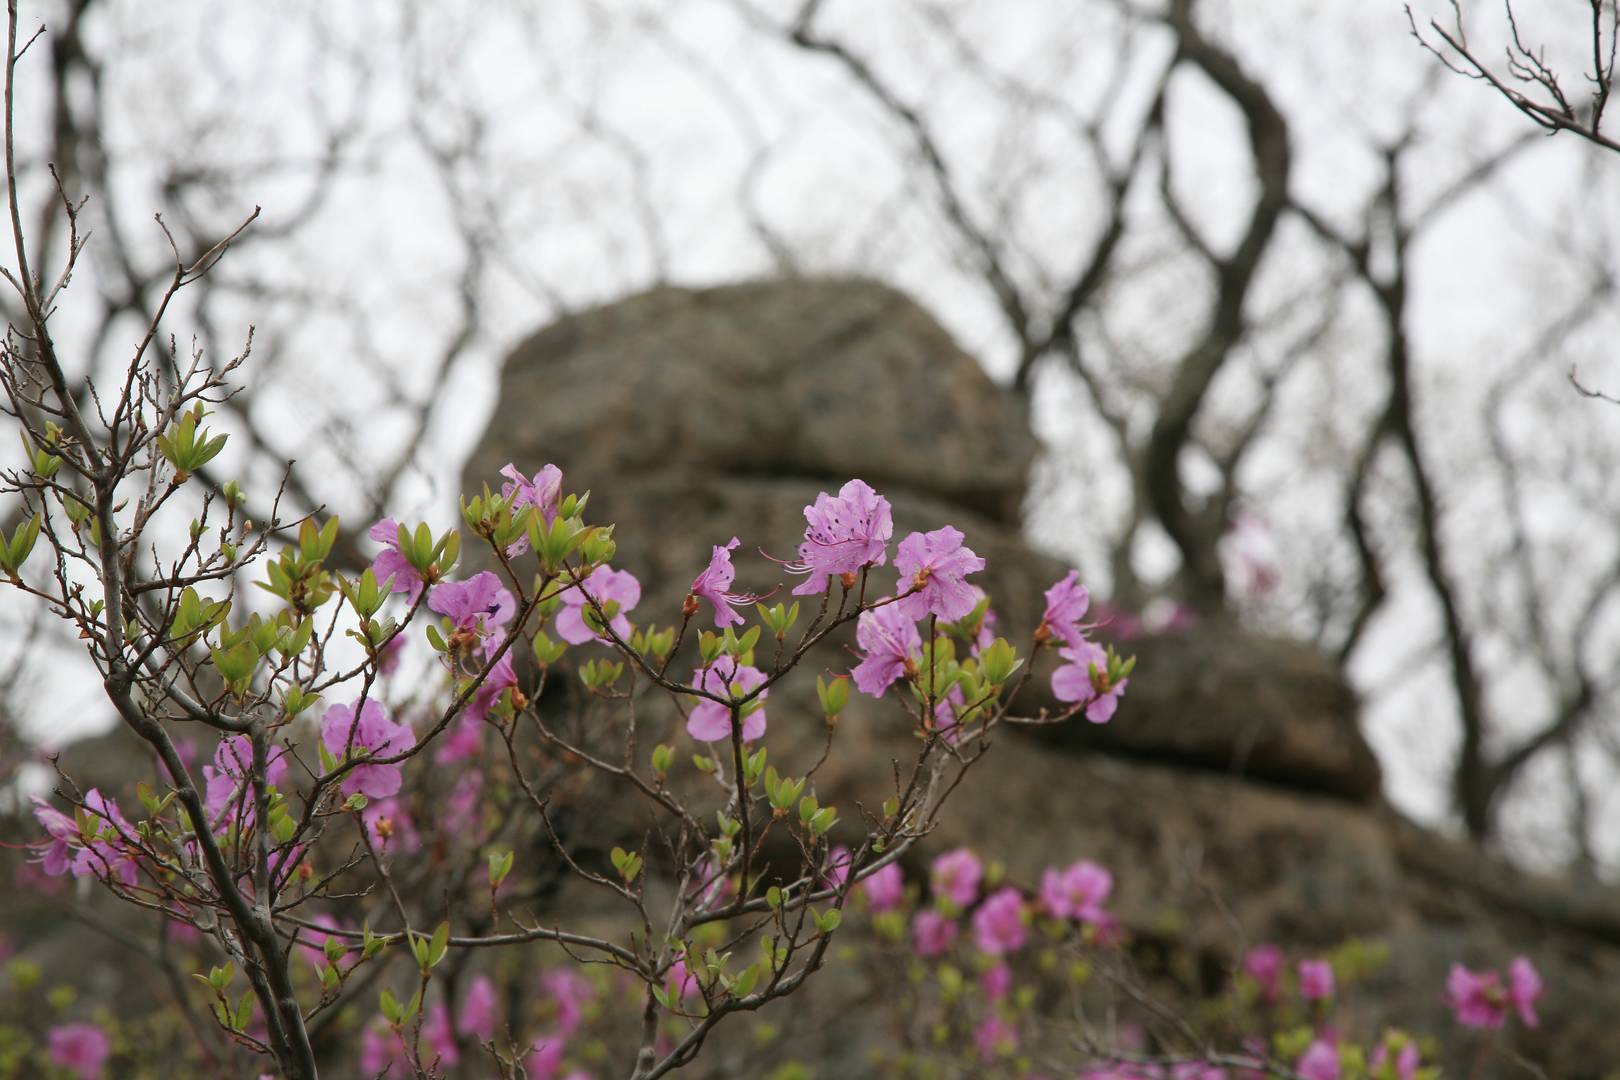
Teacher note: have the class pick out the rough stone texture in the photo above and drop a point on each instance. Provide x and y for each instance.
(1237, 702)
(825, 379)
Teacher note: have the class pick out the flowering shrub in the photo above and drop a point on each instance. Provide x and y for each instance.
(327, 868)
(331, 878)
(363, 869)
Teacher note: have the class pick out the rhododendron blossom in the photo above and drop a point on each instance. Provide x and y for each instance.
(932, 932)
(227, 779)
(1403, 1061)
(1315, 980)
(80, 1048)
(606, 586)
(1084, 681)
(998, 924)
(888, 637)
(1480, 1000)
(1066, 604)
(544, 493)
(63, 832)
(374, 734)
(109, 852)
(843, 535)
(955, 876)
(479, 606)
(994, 982)
(544, 1061)
(437, 1034)
(1077, 892)
(710, 721)
(1264, 964)
(1319, 1062)
(570, 992)
(714, 585)
(884, 888)
(933, 567)
(390, 563)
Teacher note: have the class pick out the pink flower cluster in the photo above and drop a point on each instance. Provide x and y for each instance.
(1482, 999)
(108, 851)
(81, 1048)
(1001, 920)
(1084, 679)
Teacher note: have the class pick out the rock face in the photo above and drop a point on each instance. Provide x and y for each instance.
(820, 380)
(1235, 770)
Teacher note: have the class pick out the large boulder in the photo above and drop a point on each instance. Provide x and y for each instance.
(823, 379)
(1233, 794)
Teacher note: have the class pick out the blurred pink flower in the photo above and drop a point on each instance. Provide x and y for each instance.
(82, 1048)
(998, 924)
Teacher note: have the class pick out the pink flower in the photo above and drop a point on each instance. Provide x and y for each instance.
(461, 809)
(680, 982)
(1066, 604)
(1524, 988)
(465, 736)
(1077, 892)
(1477, 999)
(885, 888)
(570, 992)
(995, 982)
(481, 605)
(606, 586)
(63, 832)
(441, 1040)
(936, 564)
(1319, 1062)
(229, 797)
(889, 638)
(710, 721)
(1404, 1061)
(955, 875)
(375, 734)
(379, 1050)
(1315, 980)
(998, 925)
(544, 493)
(843, 535)
(545, 1060)
(995, 1038)
(108, 853)
(463, 739)
(1084, 680)
(1264, 964)
(479, 1009)
(714, 585)
(81, 1048)
(932, 933)
(390, 564)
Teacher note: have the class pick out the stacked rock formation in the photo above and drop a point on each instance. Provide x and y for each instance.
(1233, 785)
